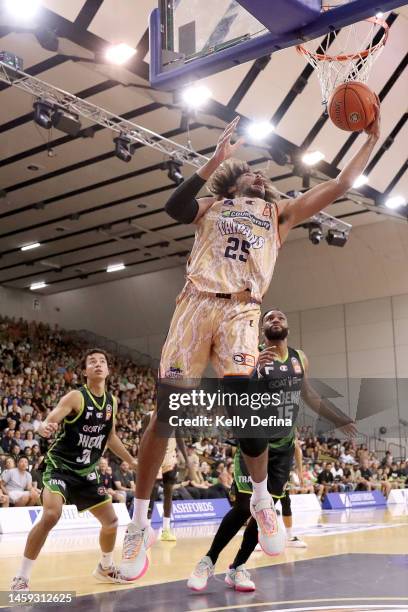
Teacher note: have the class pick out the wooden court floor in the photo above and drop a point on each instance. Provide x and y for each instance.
(369, 544)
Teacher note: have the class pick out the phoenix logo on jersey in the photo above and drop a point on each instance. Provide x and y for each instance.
(91, 441)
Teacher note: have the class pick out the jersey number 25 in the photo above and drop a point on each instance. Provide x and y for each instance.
(235, 245)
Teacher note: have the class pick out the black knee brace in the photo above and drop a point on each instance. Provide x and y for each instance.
(285, 503)
(253, 447)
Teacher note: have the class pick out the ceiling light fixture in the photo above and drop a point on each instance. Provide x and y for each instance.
(312, 158)
(395, 202)
(196, 96)
(43, 113)
(315, 233)
(336, 238)
(173, 171)
(360, 181)
(123, 148)
(116, 267)
(258, 130)
(29, 247)
(66, 122)
(23, 10)
(40, 285)
(120, 54)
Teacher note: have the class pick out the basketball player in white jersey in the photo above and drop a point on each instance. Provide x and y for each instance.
(239, 231)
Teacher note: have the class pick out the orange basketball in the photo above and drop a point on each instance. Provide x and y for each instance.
(351, 106)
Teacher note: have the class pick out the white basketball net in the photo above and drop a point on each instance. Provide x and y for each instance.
(347, 55)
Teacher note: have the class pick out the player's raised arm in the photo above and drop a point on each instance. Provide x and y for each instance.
(69, 403)
(323, 407)
(298, 210)
(182, 206)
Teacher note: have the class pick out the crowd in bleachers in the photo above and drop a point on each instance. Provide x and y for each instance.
(38, 364)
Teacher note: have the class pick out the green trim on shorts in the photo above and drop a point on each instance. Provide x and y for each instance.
(242, 486)
(105, 501)
(49, 487)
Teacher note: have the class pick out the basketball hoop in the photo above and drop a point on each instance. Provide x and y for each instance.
(346, 55)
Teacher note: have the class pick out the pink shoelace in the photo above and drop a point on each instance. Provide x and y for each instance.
(132, 544)
(266, 519)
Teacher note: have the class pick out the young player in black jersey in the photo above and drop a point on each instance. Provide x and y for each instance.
(287, 367)
(71, 475)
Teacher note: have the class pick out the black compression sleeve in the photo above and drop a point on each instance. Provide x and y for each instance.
(182, 204)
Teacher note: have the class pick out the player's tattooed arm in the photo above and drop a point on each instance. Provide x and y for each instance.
(298, 210)
(71, 403)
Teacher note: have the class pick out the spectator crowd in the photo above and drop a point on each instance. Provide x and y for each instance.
(39, 364)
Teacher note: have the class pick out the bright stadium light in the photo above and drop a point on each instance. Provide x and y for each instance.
(258, 130)
(116, 267)
(360, 181)
(395, 202)
(39, 285)
(379, 15)
(312, 158)
(23, 10)
(28, 247)
(196, 96)
(120, 54)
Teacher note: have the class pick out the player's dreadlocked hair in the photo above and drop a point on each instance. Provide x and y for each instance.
(225, 177)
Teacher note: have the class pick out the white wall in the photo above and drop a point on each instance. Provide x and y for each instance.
(29, 306)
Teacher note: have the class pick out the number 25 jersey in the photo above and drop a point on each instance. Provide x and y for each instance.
(235, 248)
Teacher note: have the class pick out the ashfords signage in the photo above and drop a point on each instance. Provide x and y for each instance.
(354, 499)
(194, 510)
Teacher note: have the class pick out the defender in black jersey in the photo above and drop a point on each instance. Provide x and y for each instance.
(287, 367)
(87, 418)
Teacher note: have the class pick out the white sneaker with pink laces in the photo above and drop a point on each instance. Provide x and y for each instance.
(134, 556)
(201, 573)
(271, 533)
(19, 583)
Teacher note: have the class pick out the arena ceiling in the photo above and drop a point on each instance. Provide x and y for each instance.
(88, 209)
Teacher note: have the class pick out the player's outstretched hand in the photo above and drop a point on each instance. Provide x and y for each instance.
(350, 430)
(267, 356)
(374, 129)
(224, 148)
(47, 429)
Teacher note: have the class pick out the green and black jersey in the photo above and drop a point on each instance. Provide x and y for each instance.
(286, 378)
(83, 437)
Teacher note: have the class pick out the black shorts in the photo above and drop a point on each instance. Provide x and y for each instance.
(170, 477)
(279, 466)
(85, 492)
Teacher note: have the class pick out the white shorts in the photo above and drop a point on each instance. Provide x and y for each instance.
(14, 496)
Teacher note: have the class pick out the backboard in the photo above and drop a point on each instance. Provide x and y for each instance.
(191, 39)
